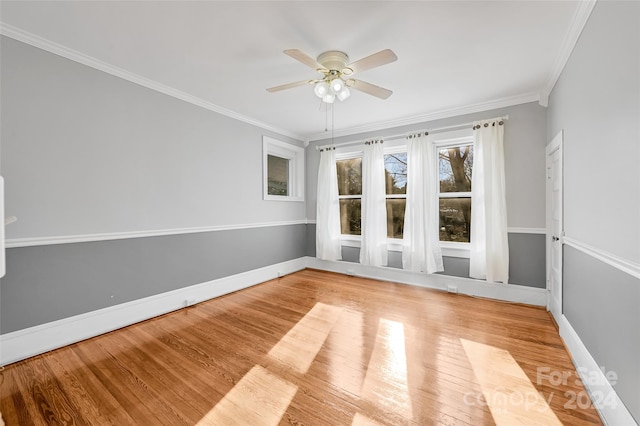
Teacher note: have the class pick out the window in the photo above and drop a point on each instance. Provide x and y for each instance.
(349, 169)
(277, 175)
(350, 194)
(283, 170)
(395, 165)
(454, 161)
(454, 192)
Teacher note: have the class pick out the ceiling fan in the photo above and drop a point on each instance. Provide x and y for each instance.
(336, 74)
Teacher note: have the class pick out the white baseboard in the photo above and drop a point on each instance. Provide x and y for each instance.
(36, 340)
(468, 286)
(604, 398)
(32, 341)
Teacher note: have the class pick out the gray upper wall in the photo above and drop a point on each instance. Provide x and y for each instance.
(525, 139)
(597, 102)
(85, 152)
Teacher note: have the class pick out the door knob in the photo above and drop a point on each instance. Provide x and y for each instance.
(554, 238)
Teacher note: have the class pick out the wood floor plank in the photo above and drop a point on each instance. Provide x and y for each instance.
(310, 348)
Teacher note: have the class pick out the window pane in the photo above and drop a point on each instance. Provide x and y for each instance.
(395, 217)
(350, 216)
(277, 175)
(455, 165)
(396, 173)
(350, 176)
(455, 219)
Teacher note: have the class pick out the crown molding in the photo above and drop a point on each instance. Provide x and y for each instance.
(447, 113)
(60, 50)
(578, 23)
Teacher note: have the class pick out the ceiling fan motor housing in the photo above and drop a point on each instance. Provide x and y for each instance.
(334, 60)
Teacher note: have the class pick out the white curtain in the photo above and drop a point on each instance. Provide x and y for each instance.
(373, 250)
(489, 254)
(328, 208)
(421, 244)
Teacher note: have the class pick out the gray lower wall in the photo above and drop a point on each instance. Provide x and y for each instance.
(48, 283)
(52, 282)
(527, 259)
(601, 303)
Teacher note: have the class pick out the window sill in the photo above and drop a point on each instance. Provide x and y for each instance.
(449, 249)
(282, 198)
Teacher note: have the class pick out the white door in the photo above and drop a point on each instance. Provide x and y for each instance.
(554, 227)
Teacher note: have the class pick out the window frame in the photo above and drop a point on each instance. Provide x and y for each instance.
(341, 154)
(395, 148)
(295, 156)
(449, 140)
(440, 140)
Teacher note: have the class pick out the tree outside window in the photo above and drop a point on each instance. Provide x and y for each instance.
(455, 165)
(395, 165)
(350, 194)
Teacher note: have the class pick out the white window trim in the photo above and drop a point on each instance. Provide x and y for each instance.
(459, 138)
(442, 140)
(295, 155)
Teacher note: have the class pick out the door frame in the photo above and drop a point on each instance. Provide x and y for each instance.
(556, 145)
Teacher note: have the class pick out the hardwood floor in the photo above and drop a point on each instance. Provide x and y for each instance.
(312, 348)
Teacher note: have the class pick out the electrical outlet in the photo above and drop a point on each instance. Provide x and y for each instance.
(350, 272)
(452, 289)
(189, 302)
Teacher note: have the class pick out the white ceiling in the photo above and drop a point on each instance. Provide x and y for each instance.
(453, 56)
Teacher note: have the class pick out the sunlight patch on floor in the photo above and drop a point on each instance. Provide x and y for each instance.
(360, 420)
(259, 398)
(299, 347)
(386, 383)
(506, 389)
(346, 345)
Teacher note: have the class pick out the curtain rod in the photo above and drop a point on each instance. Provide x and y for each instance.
(403, 135)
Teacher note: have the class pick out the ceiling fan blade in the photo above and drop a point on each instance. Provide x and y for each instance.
(287, 86)
(372, 89)
(300, 56)
(381, 58)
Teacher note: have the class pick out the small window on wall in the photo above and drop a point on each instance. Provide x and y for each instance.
(283, 171)
(277, 175)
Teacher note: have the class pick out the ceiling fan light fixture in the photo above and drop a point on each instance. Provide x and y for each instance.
(321, 89)
(344, 94)
(329, 98)
(337, 85)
